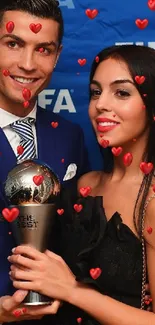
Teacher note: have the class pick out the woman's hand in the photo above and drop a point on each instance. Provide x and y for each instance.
(46, 273)
(12, 309)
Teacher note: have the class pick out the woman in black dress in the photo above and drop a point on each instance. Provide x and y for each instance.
(107, 240)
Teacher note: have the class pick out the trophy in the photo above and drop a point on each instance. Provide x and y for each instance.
(33, 188)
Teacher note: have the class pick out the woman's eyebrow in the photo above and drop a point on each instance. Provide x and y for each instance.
(122, 81)
(115, 82)
(95, 82)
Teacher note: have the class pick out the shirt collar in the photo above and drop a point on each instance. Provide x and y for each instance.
(7, 118)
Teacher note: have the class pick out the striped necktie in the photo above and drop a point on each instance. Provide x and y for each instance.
(24, 129)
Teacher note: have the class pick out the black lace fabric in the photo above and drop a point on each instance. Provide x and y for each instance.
(86, 240)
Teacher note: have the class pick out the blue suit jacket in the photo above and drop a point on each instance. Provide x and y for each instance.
(64, 142)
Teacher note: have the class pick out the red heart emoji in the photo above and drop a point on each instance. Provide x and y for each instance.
(20, 150)
(97, 59)
(141, 23)
(85, 191)
(116, 151)
(78, 207)
(151, 4)
(38, 179)
(6, 72)
(147, 302)
(149, 230)
(10, 26)
(62, 160)
(26, 93)
(60, 211)
(54, 124)
(35, 28)
(95, 273)
(26, 104)
(91, 13)
(82, 62)
(10, 214)
(41, 50)
(17, 313)
(127, 159)
(79, 320)
(139, 79)
(146, 168)
(104, 143)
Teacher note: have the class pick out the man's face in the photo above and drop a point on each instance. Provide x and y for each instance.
(30, 57)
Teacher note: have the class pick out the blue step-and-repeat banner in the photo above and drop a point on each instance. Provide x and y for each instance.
(91, 25)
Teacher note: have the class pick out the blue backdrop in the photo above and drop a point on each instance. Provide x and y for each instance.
(107, 22)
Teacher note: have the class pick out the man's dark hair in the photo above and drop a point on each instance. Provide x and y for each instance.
(39, 8)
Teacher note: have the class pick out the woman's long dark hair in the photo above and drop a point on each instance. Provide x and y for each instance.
(141, 62)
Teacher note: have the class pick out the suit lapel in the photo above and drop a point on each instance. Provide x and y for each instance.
(49, 142)
(7, 157)
(44, 138)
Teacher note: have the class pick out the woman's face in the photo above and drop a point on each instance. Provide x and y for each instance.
(116, 109)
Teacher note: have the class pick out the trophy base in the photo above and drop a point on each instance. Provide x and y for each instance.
(35, 299)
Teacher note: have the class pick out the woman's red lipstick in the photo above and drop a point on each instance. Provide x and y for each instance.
(105, 124)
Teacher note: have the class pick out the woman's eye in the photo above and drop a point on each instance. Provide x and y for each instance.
(122, 93)
(95, 92)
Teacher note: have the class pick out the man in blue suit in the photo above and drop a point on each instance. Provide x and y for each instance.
(30, 43)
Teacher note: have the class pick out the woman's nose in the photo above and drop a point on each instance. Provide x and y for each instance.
(103, 103)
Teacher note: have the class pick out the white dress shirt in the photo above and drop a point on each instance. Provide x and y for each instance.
(7, 118)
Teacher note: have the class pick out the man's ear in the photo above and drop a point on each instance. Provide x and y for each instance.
(58, 54)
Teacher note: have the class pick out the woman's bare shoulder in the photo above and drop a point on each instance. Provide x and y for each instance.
(91, 179)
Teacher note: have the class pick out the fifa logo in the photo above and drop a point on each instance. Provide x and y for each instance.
(149, 44)
(67, 3)
(60, 100)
